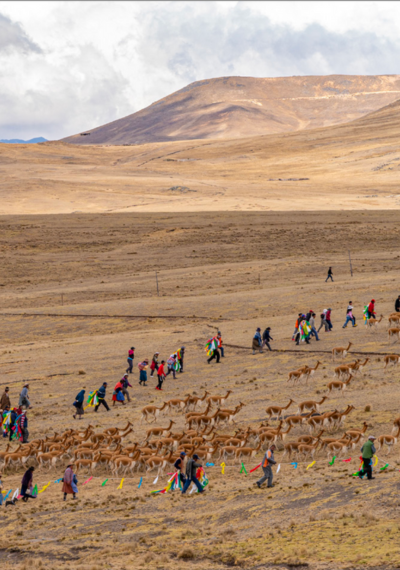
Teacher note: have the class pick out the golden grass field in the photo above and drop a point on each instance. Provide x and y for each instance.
(231, 271)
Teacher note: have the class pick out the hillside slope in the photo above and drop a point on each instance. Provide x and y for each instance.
(230, 107)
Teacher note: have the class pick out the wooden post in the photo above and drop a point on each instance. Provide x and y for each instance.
(158, 292)
(351, 267)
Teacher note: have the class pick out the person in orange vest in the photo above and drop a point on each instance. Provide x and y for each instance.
(221, 348)
(266, 465)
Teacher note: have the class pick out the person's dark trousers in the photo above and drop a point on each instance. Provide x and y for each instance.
(182, 478)
(314, 332)
(370, 315)
(366, 469)
(169, 372)
(126, 393)
(130, 366)
(104, 404)
(266, 343)
(215, 354)
(329, 277)
(195, 481)
(181, 363)
(267, 475)
(354, 321)
(297, 339)
(222, 352)
(329, 324)
(25, 435)
(160, 381)
(152, 372)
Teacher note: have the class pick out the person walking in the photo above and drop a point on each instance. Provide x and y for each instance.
(154, 363)
(312, 325)
(329, 275)
(171, 365)
(191, 470)
(266, 464)
(67, 488)
(131, 356)
(323, 322)
(143, 372)
(101, 396)
(23, 397)
(5, 399)
(1, 489)
(397, 305)
(74, 484)
(125, 385)
(368, 450)
(79, 411)
(328, 319)
(215, 353)
(27, 484)
(117, 394)
(180, 353)
(257, 341)
(371, 309)
(220, 347)
(349, 316)
(179, 466)
(267, 338)
(160, 375)
(23, 423)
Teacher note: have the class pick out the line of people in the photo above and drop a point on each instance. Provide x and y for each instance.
(259, 341)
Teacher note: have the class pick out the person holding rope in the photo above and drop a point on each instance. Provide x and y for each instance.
(101, 396)
(266, 464)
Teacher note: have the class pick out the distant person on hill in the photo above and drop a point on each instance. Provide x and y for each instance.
(23, 397)
(101, 395)
(131, 356)
(323, 322)
(329, 275)
(267, 338)
(328, 319)
(397, 305)
(215, 353)
(368, 450)
(5, 399)
(266, 465)
(80, 397)
(257, 341)
(117, 394)
(180, 353)
(160, 375)
(23, 422)
(171, 365)
(154, 363)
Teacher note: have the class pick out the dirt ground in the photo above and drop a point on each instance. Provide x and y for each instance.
(78, 290)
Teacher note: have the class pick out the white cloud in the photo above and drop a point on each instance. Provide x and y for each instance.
(69, 66)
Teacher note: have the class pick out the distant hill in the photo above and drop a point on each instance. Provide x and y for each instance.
(234, 107)
(20, 141)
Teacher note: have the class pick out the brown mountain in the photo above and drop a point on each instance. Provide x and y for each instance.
(231, 107)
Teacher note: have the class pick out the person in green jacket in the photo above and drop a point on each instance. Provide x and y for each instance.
(368, 450)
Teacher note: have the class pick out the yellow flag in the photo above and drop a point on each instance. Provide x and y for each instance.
(120, 485)
(311, 464)
(45, 487)
(223, 468)
(376, 461)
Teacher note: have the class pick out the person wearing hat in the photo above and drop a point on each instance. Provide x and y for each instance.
(131, 356)
(125, 384)
(5, 399)
(180, 353)
(23, 397)
(329, 275)
(368, 450)
(143, 372)
(101, 396)
(191, 470)
(179, 466)
(257, 341)
(266, 465)
(371, 309)
(266, 338)
(154, 363)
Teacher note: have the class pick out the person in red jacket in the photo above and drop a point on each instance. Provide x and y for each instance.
(160, 375)
(371, 309)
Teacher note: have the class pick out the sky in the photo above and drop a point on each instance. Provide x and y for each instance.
(66, 67)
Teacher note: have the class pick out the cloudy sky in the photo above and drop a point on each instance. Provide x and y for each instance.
(68, 66)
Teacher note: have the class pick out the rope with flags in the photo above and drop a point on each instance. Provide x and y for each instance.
(211, 345)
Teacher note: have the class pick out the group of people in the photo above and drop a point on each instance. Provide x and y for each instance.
(259, 341)
(14, 420)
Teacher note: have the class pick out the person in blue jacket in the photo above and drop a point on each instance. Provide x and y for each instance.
(79, 404)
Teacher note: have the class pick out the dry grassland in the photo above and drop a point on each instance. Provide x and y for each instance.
(228, 271)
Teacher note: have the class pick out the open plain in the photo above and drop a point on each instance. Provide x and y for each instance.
(78, 290)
